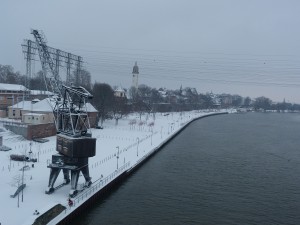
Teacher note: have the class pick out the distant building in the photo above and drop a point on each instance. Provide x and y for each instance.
(40, 112)
(120, 92)
(15, 111)
(35, 118)
(226, 100)
(11, 94)
(135, 76)
(216, 101)
(33, 112)
(92, 114)
(40, 94)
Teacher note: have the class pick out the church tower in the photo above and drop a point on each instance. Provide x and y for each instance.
(135, 76)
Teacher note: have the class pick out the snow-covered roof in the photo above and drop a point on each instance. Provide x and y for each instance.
(44, 105)
(33, 114)
(40, 92)
(41, 106)
(90, 107)
(21, 105)
(35, 100)
(119, 89)
(12, 87)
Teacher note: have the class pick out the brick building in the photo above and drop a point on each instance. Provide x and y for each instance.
(11, 94)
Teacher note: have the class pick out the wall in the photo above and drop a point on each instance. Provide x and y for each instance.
(40, 130)
(17, 113)
(49, 117)
(2, 113)
(93, 118)
(35, 118)
(32, 131)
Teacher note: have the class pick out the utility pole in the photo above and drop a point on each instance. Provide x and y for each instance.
(68, 61)
(57, 63)
(56, 58)
(29, 51)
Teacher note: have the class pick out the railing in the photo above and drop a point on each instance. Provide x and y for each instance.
(97, 185)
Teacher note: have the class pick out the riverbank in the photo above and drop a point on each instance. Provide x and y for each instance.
(120, 149)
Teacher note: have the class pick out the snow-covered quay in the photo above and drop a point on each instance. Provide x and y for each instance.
(120, 148)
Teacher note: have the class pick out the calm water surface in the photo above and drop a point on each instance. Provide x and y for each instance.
(229, 169)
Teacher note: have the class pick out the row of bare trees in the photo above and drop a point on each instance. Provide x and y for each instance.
(37, 82)
(145, 99)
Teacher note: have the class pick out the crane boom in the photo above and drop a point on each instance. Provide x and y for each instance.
(69, 103)
(74, 139)
(47, 63)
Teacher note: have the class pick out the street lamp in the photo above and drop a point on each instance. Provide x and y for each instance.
(151, 136)
(137, 148)
(30, 152)
(117, 157)
(24, 165)
(161, 132)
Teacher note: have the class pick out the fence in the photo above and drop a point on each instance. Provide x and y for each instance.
(97, 185)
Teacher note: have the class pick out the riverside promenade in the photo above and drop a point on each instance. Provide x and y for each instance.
(121, 148)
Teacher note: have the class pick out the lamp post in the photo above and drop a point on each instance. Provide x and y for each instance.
(161, 132)
(117, 157)
(24, 165)
(30, 152)
(39, 152)
(137, 148)
(151, 136)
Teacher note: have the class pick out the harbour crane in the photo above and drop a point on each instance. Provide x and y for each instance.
(74, 143)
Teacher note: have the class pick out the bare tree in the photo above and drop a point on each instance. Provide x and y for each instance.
(119, 107)
(262, 103)
(103, 99)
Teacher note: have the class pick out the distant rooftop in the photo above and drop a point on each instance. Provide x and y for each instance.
(40, 92)
(119, 89)
(43, 106)
(90, 108)
(12, 87)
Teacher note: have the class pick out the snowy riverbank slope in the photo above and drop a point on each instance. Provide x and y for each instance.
(119, 148)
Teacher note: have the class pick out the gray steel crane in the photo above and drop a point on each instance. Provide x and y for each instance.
(74, 139)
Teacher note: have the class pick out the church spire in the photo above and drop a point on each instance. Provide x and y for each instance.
(135, 68)
(135, 75)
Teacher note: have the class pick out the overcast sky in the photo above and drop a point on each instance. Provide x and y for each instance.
(246, 47)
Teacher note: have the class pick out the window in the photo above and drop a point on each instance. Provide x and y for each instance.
(14, 112)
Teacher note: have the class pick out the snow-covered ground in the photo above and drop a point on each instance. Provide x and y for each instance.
(119, 148)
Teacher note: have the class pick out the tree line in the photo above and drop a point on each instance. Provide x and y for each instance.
(145, 99)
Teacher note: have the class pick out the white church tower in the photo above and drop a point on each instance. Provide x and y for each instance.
(135, 76)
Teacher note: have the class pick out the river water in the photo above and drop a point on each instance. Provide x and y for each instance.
(227, 169)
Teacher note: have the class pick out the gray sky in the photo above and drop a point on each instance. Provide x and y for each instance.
(246, 47)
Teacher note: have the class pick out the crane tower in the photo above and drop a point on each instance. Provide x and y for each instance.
(74, 142)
